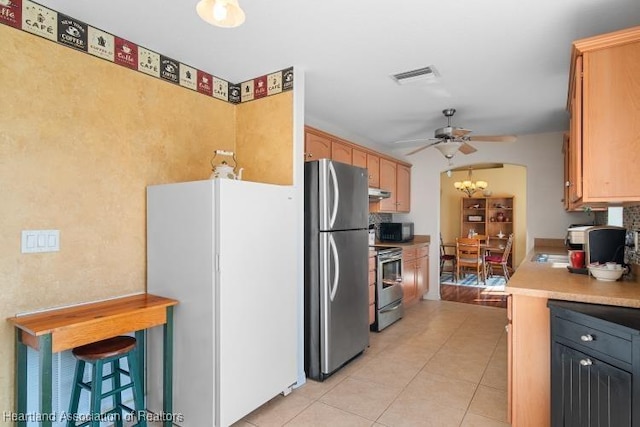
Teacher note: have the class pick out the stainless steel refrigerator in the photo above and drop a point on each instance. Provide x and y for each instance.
(336, 265)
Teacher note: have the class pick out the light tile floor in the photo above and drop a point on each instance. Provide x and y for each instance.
(443, 364)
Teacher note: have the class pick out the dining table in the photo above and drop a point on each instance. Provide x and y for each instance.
(60, 329)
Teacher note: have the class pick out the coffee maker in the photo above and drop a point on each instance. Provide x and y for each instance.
(604, 244)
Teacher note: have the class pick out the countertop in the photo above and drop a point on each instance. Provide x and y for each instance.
(418, 240)
(546, 281)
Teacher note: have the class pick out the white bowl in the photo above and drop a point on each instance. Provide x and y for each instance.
(601, 272)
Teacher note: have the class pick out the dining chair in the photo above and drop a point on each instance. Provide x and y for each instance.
(444, 257)
(469, 254)
(500, 260)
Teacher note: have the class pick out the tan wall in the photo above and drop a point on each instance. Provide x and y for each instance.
(511, 180)
(80, 139)
(265, 139)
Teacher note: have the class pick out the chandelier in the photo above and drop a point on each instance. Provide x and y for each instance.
(469, 187)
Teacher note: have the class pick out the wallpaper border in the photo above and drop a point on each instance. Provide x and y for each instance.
(64, 30)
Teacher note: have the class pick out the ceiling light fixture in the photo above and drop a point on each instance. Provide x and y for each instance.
(221, 13)
(449, 148)
(469, 187)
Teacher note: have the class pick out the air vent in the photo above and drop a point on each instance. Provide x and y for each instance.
(427, 74)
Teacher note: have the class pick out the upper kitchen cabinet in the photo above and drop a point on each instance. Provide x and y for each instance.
(316, 147)
(369, 161)
(341, 152)
(384, 172)
(604, 135)
(395, 177)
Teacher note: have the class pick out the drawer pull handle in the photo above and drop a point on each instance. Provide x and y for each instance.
(587, 337)
(586, 362)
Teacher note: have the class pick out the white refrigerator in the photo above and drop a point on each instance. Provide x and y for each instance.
(226, 250)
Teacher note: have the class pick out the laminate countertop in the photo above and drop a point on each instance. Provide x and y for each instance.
(418, 240)
(541, 279)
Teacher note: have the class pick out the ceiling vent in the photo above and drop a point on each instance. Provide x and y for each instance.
(427, 75)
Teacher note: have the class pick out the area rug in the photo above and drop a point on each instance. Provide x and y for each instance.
(494, 282)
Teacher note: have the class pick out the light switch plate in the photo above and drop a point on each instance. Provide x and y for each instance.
(38, 241)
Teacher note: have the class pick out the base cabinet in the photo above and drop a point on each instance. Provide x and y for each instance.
(415, 273)
(595, 358)
(587, 391)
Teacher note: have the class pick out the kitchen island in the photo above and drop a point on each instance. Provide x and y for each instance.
(529, 333)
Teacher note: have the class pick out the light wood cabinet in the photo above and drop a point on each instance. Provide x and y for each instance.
(373, 166)
(422, 277)
(603, 97)
(388, 172)
(396, 178)
(415, 273)
(316, 147)
(359, 158)
(383, 171)
(403, 188)
(341, 152)
(409, 276)
(528, 358)
(491, 216)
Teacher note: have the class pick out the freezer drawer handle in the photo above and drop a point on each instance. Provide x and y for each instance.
(336, 195)
(336, 261)
(395, 306)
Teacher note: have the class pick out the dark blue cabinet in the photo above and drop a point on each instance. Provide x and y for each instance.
(595, 355)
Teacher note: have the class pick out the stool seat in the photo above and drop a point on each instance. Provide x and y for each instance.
(104, 349)
(101, 354)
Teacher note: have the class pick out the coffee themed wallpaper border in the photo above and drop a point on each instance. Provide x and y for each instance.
(36, 19)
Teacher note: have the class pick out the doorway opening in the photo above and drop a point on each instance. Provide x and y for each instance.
(495, 212)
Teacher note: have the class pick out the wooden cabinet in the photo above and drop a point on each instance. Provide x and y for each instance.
(341, 152)
(409, 276)
(359, 158)
(595, 356)
(415, 273)
(372, 288)
(388, 171)
(403, 188)
(528, 359)
(373, 166)
(491, 216)
(384, 171)
(603, 97)
(422, 264)
(396, 178)
(316, 147)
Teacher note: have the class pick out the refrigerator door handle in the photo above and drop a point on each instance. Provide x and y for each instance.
(336, 260)
(336, 195)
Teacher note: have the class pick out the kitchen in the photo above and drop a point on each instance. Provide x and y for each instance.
(113, 169)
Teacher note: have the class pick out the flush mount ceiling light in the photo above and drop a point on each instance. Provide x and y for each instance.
(221, 13)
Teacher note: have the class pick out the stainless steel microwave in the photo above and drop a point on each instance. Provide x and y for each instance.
(395, 231)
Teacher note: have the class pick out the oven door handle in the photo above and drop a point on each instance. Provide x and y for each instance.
(336, 263)
(336, 195)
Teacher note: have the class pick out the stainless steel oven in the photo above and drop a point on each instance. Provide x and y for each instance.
(388, 287)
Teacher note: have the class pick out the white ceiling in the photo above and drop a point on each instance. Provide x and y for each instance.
(503, 64)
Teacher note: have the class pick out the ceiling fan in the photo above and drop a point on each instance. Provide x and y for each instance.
(450, 139)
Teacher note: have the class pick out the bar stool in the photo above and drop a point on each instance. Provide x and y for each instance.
(108, 351)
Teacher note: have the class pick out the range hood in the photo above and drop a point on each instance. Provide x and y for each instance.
(376, 194)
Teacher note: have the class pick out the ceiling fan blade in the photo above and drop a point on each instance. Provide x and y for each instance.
(402, 141)
(460, 132)
(493, 138)
(467, 148)
(423, 148)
